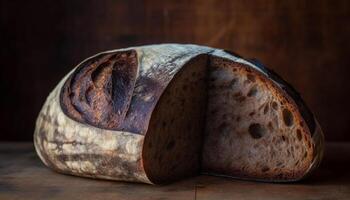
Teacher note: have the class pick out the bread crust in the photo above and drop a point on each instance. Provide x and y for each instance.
(70, 145)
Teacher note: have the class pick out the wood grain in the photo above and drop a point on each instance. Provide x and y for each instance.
(23, 176)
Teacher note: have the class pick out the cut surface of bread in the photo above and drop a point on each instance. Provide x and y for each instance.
(253, 128)
(172, 149)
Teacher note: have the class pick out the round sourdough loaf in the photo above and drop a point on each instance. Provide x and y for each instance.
(159, 113)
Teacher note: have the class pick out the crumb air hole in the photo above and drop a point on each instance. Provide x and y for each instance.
(252, 92)
(287, 117)
(256, 131)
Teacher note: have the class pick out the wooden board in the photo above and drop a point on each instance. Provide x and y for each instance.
(23, 176)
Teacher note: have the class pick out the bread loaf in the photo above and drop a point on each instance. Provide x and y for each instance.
(159, 113)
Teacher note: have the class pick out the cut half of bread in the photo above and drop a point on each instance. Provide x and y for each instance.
(257, 126)
(160, 113)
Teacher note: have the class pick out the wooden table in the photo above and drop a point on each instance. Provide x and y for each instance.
(23, 176)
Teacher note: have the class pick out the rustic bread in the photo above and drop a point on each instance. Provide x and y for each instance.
(159, 113)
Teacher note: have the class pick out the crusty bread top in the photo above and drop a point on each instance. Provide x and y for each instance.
(139, 75)
(100, 90)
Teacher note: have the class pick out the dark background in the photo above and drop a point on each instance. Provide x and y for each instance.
(307, 42)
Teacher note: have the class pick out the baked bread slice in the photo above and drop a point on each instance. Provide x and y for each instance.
(258, 127)
(159, 113)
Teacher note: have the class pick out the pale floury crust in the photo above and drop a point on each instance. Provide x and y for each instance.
(70, 147)
(74, 148)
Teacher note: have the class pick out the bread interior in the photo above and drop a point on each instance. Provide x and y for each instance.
(172, 146)
(252, 129)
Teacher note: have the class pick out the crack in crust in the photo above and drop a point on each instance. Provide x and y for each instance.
(99, 91)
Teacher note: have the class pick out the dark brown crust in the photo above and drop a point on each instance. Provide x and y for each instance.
(100, 90)
(126, 101)
(146, 94)
(303, 108)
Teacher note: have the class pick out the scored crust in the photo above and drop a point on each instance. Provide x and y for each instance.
(100, 90)
(106, 118)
